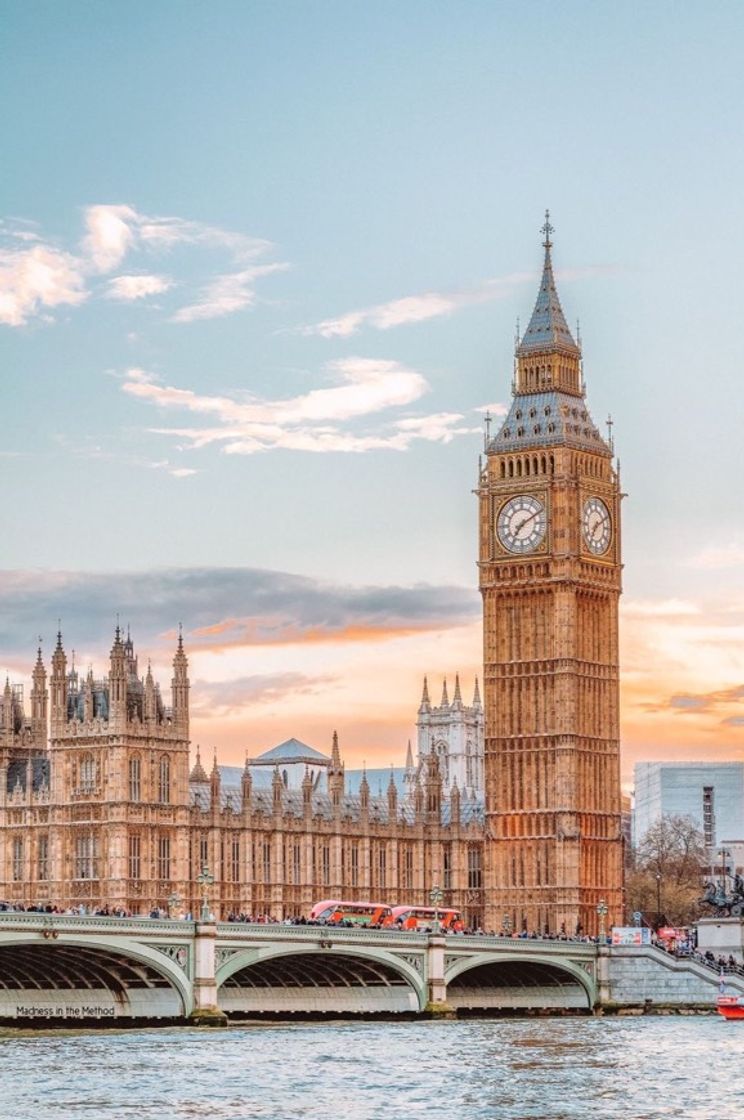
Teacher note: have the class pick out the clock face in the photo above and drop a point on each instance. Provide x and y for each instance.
(596, 526)
(521, 523)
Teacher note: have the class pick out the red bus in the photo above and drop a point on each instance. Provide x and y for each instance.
(358, 913)
(423, 917)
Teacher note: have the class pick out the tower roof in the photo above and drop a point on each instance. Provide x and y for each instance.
(547, 329)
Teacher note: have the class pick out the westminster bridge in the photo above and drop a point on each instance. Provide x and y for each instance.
(64, 968)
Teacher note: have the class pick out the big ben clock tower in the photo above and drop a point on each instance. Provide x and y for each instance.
(550, 577)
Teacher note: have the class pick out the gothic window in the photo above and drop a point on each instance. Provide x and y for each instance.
(267, 861)
(475, 872)
(17, 859)
(203, 852)
(447, 866)
(87, 773)
(325, 865)
(235, 859)
(42, 858)
(85, 861)
(135, 857)
(407, 883)
(354, 864)
(164, 791)
(296, 863)
(164, 860)
(135, 778)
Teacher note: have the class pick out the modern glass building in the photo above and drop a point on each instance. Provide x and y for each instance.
(712, 793)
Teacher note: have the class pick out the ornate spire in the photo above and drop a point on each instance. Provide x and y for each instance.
(476, 695)
(425, 703)
(335, 753)
(547, 329)
(457, 698)
(198, 773)
(409, 757)
(445, 698)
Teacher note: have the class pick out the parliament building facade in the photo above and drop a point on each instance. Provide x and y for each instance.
(512, 806)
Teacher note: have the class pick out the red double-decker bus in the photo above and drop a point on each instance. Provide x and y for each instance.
(356, 913)
(424, 917)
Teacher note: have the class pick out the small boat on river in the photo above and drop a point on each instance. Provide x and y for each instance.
(731, 1007)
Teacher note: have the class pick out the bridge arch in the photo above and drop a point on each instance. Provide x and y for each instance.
(304, 979)
(74, 977)
(504, 981)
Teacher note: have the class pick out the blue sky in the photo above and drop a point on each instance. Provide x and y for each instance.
(260, 267)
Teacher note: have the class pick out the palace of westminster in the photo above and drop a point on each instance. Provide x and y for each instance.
(512, 805)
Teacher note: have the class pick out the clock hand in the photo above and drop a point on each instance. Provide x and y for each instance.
(526, 521)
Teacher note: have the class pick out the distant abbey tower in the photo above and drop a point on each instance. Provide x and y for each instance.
(550, 577)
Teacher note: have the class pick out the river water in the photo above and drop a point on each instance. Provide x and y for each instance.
(521, 1069)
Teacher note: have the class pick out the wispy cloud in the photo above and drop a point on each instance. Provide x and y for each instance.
(311, 421)
(429, 305)
(34, 280)
(226, 294)
(218, 699)
(275, 607)
(37, 275)
(130, 288)
(414, 309)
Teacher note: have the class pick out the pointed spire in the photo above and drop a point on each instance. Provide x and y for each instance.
(198, 773)
(476, 695)
(457, 698)
(425, 704)
(547, 329)
(335, 753)
(392, 787)
(444, 703)
(409, 757)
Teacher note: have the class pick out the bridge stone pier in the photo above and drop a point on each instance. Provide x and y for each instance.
(60, 970)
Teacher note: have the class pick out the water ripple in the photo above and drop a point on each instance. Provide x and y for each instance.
(557, 1069)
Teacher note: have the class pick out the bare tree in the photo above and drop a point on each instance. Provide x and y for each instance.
(667, 871)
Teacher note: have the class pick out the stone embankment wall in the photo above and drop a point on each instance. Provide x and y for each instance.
(643, 975)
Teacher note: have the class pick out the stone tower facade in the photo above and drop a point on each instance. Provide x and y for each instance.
(118, 783)
(453, 731)
(550, 578)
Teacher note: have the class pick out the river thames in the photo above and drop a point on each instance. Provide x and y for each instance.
(549, 1069)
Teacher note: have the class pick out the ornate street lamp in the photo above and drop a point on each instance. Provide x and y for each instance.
(602, 912)
(435, 897)
(506, 925)
(205, 879)
(174, 902)
(658, 900)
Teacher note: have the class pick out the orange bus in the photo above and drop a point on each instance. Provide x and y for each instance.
(358, 913)
(423, 917)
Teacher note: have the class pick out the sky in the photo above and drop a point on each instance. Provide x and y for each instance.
(260, 271)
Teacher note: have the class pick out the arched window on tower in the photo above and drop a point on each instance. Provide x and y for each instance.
(135, 778)
(87, 773)
(164, 780)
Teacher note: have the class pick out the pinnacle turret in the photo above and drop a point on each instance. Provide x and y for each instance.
(444, 703)
(198, 773)
(476, 695)
(457, 698)
(425, 704)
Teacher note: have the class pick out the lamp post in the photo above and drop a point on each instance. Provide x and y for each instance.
(658, 900)
(435, 897)
(174, 902)
(602, 912)
(205, 879)
(506, 925)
